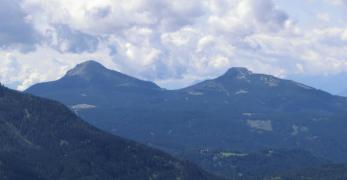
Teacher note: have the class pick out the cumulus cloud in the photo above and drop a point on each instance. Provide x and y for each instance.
(16, 74)
(65, 39)
(16, 29)
(9, 67)
(338, 2)
(171, 42)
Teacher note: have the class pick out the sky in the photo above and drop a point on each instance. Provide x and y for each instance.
(175, 43)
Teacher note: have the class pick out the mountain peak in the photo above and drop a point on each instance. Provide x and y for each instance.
(238, 72)
(92, 73)
(85, 68)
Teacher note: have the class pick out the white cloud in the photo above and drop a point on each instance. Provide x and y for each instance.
(338, 2)
(324, 17)
(171, 42)
(14, 73)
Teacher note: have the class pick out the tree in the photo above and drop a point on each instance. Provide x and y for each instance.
(1, 90)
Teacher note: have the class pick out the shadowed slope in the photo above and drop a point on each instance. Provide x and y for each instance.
(42, 139)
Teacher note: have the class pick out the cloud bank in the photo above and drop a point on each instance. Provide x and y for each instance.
(173, 43)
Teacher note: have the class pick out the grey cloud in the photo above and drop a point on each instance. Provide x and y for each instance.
(163, 40)
(113, 50)
(15, 30)
(266, 13)
(175, 14)
(66, 39)
(100, 12)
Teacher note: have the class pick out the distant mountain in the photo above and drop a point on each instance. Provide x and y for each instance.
(327, 82)
(43, 140)
(93, 76)
(239, 110)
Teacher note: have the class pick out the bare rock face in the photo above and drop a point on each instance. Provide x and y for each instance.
(238, 73)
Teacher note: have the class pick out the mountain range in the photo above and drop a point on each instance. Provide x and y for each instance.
(239, 110)
(42, 140)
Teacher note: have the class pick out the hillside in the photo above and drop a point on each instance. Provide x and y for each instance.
(258, 165)
(330, 172)
(42, 139)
